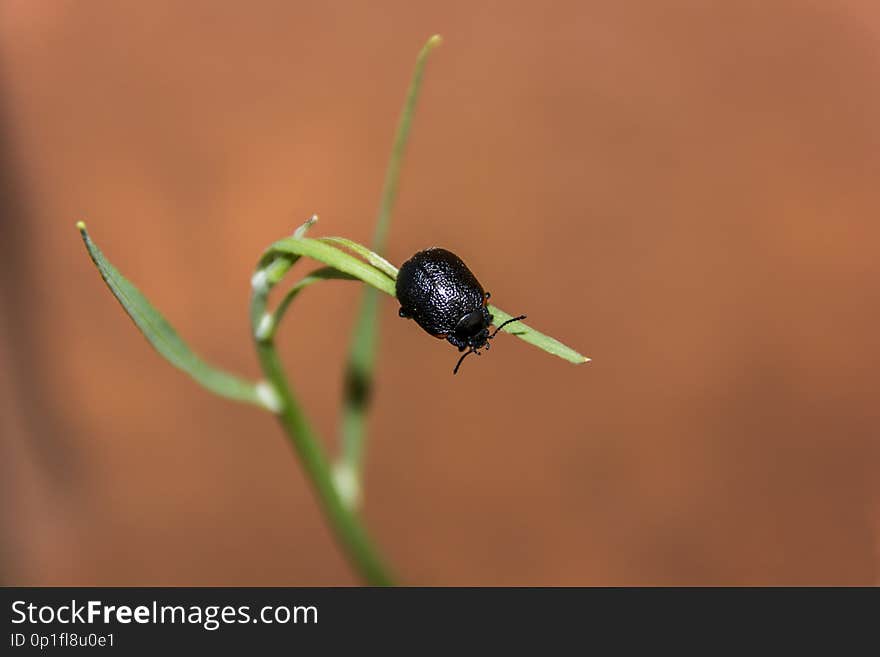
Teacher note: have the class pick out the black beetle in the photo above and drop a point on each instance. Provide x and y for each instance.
(438, 291)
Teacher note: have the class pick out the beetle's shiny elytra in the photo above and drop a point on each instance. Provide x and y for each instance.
(438, 291)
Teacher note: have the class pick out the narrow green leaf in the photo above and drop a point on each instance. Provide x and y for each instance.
(163, 337)
(373, 258)
(530, 335)
(282, 253)
(332, 257)
(362, 352)
(398, 149)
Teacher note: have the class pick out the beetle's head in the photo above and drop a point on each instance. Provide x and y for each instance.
(473, 329)
(475, 333)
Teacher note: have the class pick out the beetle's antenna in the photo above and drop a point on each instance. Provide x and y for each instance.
(509, 321)
(466, 354)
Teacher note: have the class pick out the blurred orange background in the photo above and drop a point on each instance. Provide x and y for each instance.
(685, 191)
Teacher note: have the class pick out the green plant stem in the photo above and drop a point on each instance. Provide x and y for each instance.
(398, 148)
(362, 351)
(349, 531)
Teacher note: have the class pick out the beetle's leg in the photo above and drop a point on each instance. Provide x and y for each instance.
(455, 342)
(486, 296)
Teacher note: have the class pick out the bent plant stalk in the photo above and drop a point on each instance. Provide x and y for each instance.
(343, 259)
(273, 266)
(344, 522)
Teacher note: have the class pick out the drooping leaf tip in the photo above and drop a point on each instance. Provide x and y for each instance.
(301, 231)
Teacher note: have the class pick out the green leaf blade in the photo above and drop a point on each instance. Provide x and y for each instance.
(323, 250)
(162, 335)
(398, 148)
(527, 334)
(335, 258)
(362, 350)
(373, 258)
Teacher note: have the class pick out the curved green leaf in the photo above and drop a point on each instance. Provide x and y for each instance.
(284, 253)
(163, 337)
(374, 259)
(333, 257)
